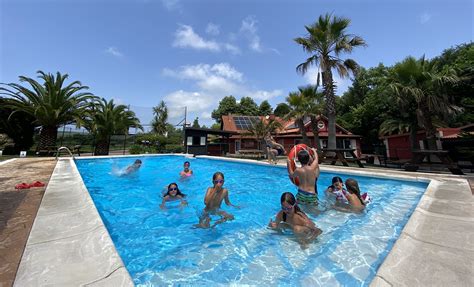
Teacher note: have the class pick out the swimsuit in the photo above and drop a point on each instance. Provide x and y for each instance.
(306, 197)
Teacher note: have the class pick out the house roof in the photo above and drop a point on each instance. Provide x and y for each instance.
(289, 126)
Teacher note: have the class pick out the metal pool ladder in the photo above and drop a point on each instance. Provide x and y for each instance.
(64, 148)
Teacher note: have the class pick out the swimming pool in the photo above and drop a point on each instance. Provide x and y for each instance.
(162, 247)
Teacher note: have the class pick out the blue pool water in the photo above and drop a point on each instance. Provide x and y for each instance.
(161, 247)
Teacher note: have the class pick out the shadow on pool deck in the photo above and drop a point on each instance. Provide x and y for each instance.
(18, 209)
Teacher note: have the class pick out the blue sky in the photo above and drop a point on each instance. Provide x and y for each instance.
(193, 53)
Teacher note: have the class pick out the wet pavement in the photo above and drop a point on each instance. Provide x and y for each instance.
(18, 208)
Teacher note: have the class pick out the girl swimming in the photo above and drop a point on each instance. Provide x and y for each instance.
(173, 193)
(292, 217)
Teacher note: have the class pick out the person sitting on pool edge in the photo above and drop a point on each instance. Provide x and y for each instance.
(173, 193)
(291, 216)
(307, 175)
(134, 167)
(186, 172)
(213, 200)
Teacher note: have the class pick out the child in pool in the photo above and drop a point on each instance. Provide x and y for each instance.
(173, 193)
(186, 171)
(213, 200)
(292, 217)
(134, 167)
(353, 196)
(336, 190)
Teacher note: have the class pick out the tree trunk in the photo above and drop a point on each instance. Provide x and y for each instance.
(300, 123)
(430, 130)
(102, 147)
(315, 130)
(47, 138)
(413, 142)
(330, 107)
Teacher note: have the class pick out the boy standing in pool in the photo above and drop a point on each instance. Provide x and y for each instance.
(213, 200)
(307, 176)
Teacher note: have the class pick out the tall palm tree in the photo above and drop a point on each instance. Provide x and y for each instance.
(160, 118)
(315, 104)
(51, 103)
(299, 106)
(423, 84)
(107, 119)
(327, 38)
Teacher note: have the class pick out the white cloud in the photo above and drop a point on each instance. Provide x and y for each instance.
(171, 5)
(213, 29)
(425, 17)
(194, 101)
(211, 84)
(249, 29)
(265, 95)
(341, 84)
(114, 52)
(185, 37)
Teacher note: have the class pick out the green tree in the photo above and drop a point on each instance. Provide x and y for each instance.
(51, 103)
(327, 38)
(196, 123)
(260, 129)
(315, 107)
(216, 126)
(248, 107)
(228, 105)
(19, 127)
(160, 118)
(107, 119)
(281, 110)
(265, 108)
(424, 83)
(298, 111)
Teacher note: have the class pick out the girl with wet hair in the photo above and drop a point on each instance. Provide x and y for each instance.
(354, 197)
(173, 193)
(292, 217)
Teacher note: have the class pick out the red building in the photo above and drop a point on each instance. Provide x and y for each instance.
(398, 146)
(289, 136)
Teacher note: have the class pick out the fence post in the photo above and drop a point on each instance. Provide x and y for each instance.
(124, 144)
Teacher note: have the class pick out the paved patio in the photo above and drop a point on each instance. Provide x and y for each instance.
(18, 209)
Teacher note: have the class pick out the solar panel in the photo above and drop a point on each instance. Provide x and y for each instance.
(245, 122)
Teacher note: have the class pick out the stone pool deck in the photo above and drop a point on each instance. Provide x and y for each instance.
(69, 245)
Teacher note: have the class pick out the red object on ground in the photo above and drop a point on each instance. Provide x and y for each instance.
(37, 184)
(293, 156)
(22, 185)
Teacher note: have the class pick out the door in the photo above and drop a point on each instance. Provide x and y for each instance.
(237, 146)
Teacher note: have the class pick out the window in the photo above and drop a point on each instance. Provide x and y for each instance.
(189, 141)
(203, 140)
(325, 143)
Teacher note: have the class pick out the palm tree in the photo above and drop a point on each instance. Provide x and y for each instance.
(422, 84)
(326, 40)
(51, 103)
(260, 129)
(160, 117)
(315, 104)
(107, 119)
(299, 106)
